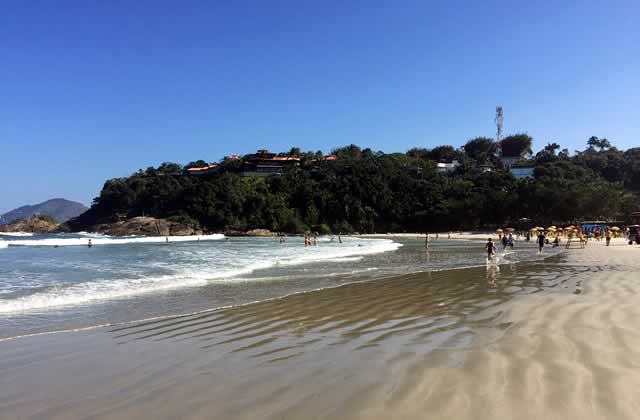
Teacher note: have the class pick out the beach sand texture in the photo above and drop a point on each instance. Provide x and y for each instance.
(556, 339)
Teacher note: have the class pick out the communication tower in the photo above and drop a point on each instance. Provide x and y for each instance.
(498, 121)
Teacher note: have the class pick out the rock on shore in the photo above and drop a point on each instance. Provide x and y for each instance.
(34, 224)
(146, 226)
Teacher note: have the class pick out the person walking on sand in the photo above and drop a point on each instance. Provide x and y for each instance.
(541, 239)
(608, 237)
(491, 249)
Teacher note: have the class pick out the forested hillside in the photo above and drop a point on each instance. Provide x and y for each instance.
(368, 191)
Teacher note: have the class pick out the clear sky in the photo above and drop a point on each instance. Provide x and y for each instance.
(91, 90)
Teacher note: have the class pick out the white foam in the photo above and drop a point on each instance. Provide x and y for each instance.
(99, 240)
(197, 275)
(16, 234)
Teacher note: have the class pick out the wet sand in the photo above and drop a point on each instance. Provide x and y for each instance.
(555, 339)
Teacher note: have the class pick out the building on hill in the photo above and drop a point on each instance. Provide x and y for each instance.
(509, 161)
(447, 166)
(265, 163)
(522, 172)
(202, 170)
(635, 218)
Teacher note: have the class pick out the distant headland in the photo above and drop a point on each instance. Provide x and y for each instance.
(483, 183)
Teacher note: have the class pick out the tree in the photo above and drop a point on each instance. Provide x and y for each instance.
(548, 153)
(294, 152)
(196, 164)
(444, 153)
(517, 145)
(479, 148)
(597, 143)
(419, 153)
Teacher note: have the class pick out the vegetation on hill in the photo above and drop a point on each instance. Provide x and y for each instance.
(366, 191)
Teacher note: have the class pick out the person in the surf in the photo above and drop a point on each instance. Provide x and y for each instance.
(541, 239)
(510, 241)
(504, 242)
(491, 249)
(89, 244)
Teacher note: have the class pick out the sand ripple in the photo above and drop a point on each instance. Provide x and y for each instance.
(554, 339)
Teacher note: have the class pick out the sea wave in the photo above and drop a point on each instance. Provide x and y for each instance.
(105, 289)
(16, 234)
(106, 240)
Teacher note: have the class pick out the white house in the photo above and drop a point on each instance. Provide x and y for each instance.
(447, 167)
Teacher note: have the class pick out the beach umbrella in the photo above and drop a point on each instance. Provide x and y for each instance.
(499, 231)
(616, 228)
(510, 229)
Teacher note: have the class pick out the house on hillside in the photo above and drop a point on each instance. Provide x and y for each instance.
(522, 172)
(265, 163)
(202, 170)
(443, 167)
(509, 161)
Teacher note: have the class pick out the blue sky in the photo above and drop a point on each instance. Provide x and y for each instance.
(94, 90)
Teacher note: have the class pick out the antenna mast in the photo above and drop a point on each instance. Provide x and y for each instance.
(498, 121)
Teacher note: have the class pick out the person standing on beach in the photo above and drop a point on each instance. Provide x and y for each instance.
(540, 242)
(608, 237)
(491, 249)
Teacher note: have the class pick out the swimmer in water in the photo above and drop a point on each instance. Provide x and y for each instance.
(89, 244)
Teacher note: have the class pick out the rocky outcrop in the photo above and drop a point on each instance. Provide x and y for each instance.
(35, 224)
(146, 226)
(260, 232)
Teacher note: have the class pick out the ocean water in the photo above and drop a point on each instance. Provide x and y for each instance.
(56, 282)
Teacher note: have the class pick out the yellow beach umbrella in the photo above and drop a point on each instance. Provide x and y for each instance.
(616, 228)
(499, 231)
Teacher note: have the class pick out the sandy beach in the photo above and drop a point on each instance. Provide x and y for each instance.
(553, 339)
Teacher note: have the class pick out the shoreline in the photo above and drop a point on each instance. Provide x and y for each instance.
(555, 336)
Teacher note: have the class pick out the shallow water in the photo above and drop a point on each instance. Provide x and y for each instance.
(49, 282)
(361, 350)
